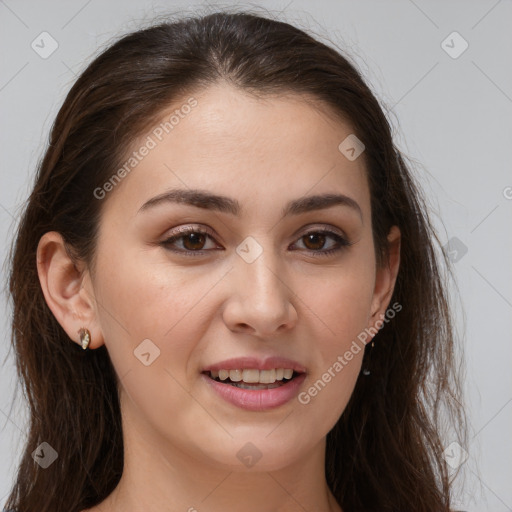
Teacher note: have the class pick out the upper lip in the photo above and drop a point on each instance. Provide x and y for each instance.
(247, 363)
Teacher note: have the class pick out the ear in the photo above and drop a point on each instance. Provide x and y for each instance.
(386, 277)
(64, 289)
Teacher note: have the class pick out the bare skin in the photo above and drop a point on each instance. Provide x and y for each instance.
(181, 439)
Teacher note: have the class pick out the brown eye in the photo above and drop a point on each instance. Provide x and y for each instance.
(190, 242)
(322, 242)
(194, 241)
(314, 241)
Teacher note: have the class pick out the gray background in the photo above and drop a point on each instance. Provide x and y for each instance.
(451, 115)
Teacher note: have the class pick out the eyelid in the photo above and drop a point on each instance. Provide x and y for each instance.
(309, 228)
(189, 228)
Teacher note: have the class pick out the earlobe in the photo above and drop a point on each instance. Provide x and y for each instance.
(386, 275)
(61, 283)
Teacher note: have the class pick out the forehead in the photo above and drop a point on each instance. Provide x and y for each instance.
(261, 150)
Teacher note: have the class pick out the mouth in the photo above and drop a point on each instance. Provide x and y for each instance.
(255, 390)
(253, 379)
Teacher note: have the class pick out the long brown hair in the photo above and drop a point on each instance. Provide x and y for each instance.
(386, 451)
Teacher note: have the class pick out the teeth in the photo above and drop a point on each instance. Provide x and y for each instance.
(268, 376)
(288, 374)
(253, 376)
(235, 375)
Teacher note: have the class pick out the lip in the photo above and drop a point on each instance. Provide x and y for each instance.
(247, 363)
(257, 400)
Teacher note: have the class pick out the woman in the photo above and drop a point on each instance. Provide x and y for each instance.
(223, 223)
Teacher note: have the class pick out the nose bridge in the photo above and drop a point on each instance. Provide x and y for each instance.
(258, 267)
(262, 298)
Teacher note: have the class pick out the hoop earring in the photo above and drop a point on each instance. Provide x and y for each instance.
(366, 370)
(85, 337)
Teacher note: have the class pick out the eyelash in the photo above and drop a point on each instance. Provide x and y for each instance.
(342, 243)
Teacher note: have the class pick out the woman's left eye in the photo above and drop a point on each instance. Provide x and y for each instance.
(193, 241)
(315, 240)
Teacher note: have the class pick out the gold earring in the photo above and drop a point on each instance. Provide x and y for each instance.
(85, 337)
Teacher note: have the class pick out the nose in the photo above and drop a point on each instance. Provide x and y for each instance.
(260, 301)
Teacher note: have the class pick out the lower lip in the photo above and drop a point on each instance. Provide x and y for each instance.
(257, 400)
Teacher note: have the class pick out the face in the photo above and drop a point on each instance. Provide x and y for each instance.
(186, 283)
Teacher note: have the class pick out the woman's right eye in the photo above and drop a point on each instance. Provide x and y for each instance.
(191, 240)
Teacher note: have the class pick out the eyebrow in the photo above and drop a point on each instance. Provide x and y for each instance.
(209, 201)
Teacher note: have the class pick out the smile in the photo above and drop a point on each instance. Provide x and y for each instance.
(255, 390)
(252, 376)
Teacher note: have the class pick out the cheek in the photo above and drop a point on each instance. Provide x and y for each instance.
(139, 300)
(153, 319)
(340, 299)
(327, 390)
(342, 307)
